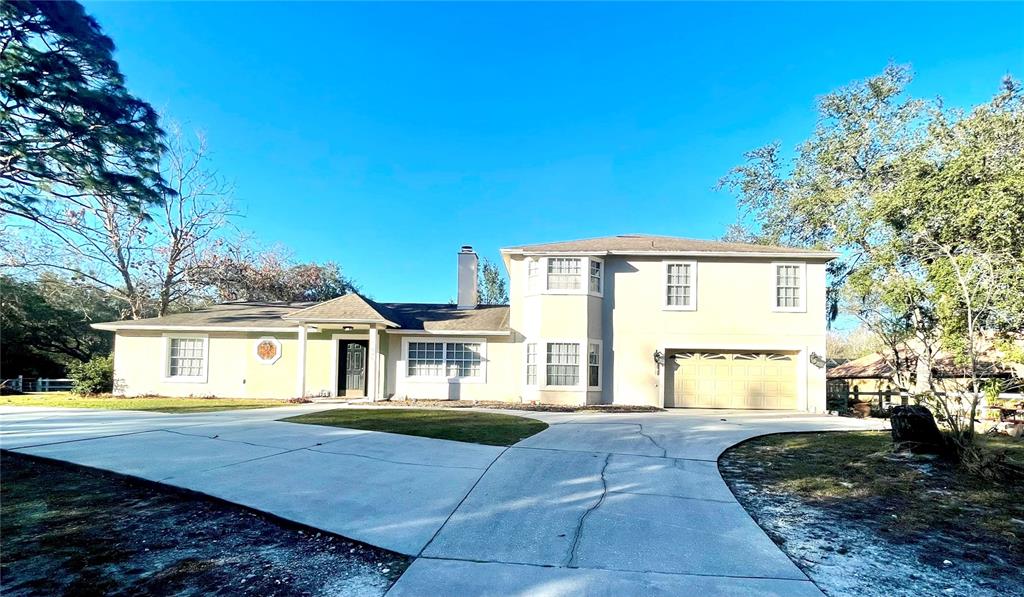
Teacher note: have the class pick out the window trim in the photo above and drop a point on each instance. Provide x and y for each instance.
(403, 364)
(542, 278)
(773, 284)
(600, 283)
(600, 364)
(580, 365)
(693, 285)
(202, 377)
(526, 365)
(582, 275)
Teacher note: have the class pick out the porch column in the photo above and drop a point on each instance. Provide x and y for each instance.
(301, 381)
(372, 364)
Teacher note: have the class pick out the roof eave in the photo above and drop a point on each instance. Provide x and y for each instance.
(343, 320)
(828, 255)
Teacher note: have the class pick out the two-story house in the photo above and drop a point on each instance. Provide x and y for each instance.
(628, 319)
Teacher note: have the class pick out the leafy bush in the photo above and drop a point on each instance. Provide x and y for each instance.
(95, 376)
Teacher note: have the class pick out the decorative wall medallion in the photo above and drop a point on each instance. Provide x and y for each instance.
(268, 350)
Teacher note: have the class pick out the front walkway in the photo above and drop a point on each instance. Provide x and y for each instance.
(598, 504)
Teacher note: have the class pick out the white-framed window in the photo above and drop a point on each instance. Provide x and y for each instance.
(564, 273)
(533, 274)
(427, 359)
(531, 363)
(790, 286)
(596, 276)
(594, 364)
(563, 364)
(463, 359)
(186, 357)
(681, 285)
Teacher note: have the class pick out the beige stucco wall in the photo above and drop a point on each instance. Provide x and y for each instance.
(734, 311)
(140, 360)
(503, 360)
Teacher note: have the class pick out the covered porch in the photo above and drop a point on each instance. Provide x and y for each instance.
(353, 364)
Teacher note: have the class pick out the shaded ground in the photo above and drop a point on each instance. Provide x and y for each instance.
(551, 408)
(165, 405)
(492, 429)
(69, 530)
(861, 520)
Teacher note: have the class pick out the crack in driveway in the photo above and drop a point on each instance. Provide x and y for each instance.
(572, 555)
(664, 451)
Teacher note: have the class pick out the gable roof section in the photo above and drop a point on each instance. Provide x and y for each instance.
(230, 316)
(349, 308)
(643, 244)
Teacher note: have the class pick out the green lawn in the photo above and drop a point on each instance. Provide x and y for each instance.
(491, 429)
(164, 405)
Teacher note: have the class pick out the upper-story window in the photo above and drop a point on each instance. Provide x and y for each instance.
(595, 275)
(681, 285)
(533, 274)
(789, 286)
(563, 273)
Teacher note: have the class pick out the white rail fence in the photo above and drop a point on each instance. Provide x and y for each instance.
(37, 384)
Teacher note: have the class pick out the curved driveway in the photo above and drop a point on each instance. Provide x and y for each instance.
(597, 504)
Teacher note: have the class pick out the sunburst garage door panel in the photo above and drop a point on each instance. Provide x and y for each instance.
(732, 380)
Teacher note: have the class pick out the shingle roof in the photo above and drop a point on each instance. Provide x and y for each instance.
(438, 318)
(351, 307)
(234, 315)
(643, 243)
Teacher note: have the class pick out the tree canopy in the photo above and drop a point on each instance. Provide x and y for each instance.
(68, 125)
(925, 205)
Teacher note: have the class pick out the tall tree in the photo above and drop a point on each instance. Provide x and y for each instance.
(492, 289)
(148, 261)
(68, 126)
(244, 272)
(46, 325)
(925, 206)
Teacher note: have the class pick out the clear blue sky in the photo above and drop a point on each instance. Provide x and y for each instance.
(383, 136)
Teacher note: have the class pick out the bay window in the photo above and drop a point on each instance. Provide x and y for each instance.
(563, 363)
(564, 273)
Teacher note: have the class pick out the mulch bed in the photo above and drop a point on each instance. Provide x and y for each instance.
(552, 408)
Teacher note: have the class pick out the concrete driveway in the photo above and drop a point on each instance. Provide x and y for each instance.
(597, 504)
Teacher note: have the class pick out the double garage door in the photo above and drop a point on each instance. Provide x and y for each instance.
(731, 380)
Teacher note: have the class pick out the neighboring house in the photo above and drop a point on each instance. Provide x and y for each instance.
(628, 319)
(874, 375)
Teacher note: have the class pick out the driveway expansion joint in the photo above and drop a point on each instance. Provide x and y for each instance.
(613, 569)
(462, 501)
(402, 462)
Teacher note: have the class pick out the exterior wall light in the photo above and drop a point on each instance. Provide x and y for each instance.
(817, 360)
(659, 360)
